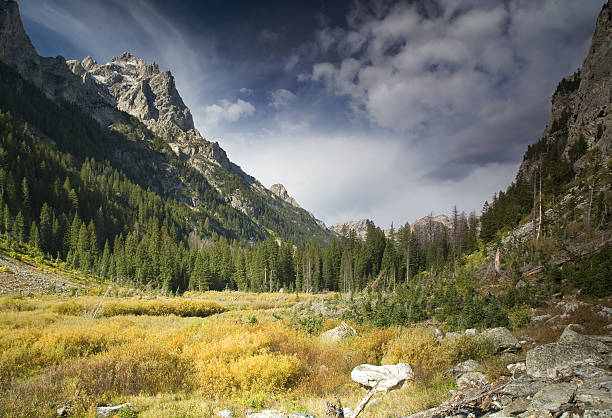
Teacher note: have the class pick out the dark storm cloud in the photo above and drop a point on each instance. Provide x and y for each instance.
(381, 109)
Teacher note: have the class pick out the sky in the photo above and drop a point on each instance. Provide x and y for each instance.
(379, 109)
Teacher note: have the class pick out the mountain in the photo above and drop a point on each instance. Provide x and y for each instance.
(136, 100)
(360, 228)
(559, 209)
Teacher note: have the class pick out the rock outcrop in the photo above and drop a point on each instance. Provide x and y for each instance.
(562, 380)
(279, 191)
(582, 103)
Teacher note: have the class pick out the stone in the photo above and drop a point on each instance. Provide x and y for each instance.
(267, 413)
(594, 398)
(555, 321)
(551, 397)
(517, 367)
(109, 411)
(453, 335)
(502, 339)
(472, 379)
(226, 413)
(383, 378)
(520, 388)
(339, 333)
(570, 335)
(472, 331)
(516, 406)
(549, 359)
(539, 318)
(300, 415)
(466, 366)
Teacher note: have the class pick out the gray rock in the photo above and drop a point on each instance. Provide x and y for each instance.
(551, 397)
(501, 338)
(472, 379)
(516, 406)
(594, 398)
(549, 359)
(572, 336)
(472, 331)
(226, 413)
(517, 367)
(300, 415)
(594, 413)
(339, 333)
(539, 318)
(109, 411)
(383, 378)
(555, 321)
(267, 413)
(453, 335)
(522, 388)
(466, 366)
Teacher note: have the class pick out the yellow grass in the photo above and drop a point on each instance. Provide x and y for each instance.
(151, 353)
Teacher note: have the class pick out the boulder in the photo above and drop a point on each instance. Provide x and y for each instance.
(226, 413)
(549, 360)
(572, 336)
(551, 397)
(267, 413)
(382, 378)
(472, 331)
(109, 411)
(502, 339)
(466, 366)
(472, 379)
(339, 333)
(594, 398)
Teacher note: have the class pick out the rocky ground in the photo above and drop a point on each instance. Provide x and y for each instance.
(568, 378)
(18, 277)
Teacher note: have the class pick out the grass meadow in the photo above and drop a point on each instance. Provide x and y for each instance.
(201, 353)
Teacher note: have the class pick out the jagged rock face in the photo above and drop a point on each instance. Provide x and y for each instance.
(15, 45)
(52, 75)
(141, 90)
(583, 101)
(360, 227)
(279, 191)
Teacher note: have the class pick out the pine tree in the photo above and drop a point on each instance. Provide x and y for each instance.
(19, 228)
(34, 236)
(46, 228)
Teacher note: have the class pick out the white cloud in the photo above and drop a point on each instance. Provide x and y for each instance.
(281, 98)
(226, 111)
(246, 91)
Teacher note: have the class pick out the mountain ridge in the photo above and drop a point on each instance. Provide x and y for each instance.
(129, 86)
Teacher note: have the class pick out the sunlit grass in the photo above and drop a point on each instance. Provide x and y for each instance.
(153, 353)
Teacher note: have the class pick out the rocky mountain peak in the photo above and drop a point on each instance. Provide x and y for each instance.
(279, 191)
(141, 90)
(360, 227)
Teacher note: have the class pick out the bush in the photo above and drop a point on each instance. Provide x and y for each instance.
(519, 316)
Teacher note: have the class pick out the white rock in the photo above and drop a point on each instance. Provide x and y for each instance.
(109, 411)
(339, 333)
(226, 413)
(383, 378)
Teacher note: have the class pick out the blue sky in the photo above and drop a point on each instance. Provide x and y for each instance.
(388, 110)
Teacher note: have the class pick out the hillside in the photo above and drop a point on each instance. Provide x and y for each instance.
(198, 172)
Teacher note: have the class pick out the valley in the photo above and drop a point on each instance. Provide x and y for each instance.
(142, 269)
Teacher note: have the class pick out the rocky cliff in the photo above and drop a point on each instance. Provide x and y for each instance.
(581, 104)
